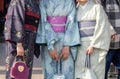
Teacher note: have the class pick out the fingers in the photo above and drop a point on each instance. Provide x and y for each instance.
(114, 37)
(89, 50)
(20, 50)
(61, 55)
(64, 55)
(54, 54)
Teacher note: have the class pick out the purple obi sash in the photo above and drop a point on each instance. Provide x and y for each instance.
(58, 23)
(86, 28)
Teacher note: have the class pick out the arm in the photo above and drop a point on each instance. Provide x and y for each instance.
(45, 33)
(72, 37)
(14, 23)
(101, 37)
(103, 3)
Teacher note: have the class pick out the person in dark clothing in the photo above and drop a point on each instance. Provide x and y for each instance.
(2, 19)
(20, 32)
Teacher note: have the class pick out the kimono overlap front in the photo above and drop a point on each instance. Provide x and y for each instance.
(50, 39)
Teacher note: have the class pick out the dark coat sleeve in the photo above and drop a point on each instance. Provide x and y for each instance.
(15, 21)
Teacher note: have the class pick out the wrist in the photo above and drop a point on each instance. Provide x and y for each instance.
(51, 47)
(19, 44)
(66, 46)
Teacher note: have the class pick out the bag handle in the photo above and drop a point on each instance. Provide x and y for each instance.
(19, 58)
(87, 61)
(59, 67)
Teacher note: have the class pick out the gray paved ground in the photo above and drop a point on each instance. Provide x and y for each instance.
(37, 70)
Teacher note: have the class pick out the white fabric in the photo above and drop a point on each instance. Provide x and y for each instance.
(88, 74)
(100, 40)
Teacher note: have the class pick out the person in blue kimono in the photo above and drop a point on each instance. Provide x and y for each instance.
(20, 31)
(58, 34)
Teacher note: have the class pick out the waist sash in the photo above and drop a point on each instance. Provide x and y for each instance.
(31, 20)
(86, 28)
(58, 23)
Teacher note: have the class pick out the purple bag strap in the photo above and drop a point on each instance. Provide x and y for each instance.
(87, 61)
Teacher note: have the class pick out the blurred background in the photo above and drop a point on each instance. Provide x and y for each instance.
(3, 9)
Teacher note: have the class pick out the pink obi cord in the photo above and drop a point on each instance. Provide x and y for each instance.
(58, 23)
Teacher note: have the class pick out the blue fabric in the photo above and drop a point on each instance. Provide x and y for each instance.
(45, 33)
(113, 56)
(52, 40)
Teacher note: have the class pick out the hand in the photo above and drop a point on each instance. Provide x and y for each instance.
(114, 36)
(64, 53)
(20, 49)
(53, 54)
(89, 50)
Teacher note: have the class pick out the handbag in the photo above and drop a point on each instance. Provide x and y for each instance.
(19, 69)
(59, 74)
(88, 73)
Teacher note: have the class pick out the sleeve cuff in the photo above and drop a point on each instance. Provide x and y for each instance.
(51, 45)
(17, 37)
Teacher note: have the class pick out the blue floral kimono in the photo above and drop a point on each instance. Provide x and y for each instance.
(50, 39)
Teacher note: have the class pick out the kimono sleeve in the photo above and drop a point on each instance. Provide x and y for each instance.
(72, 36)
(40, 38)
(103, 3)
(101, 37)
(15, 21)
(45, 33)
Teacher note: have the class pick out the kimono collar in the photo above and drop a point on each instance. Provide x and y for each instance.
(82, 6)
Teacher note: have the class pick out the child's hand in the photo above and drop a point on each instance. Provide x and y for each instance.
(65, 52)
(114, 36)
(53, 54)
(20, 49)
(89, 50)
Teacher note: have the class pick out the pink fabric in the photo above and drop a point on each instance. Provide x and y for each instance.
(58, 28)
(57, 22)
